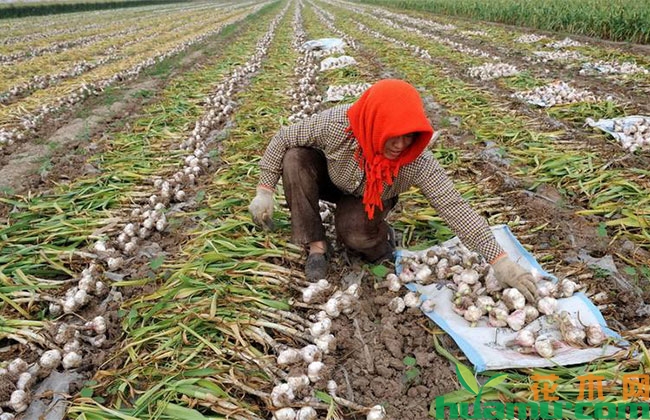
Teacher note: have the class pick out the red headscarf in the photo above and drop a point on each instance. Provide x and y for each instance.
(389, 108)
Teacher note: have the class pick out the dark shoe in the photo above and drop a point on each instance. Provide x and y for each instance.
(316, 267)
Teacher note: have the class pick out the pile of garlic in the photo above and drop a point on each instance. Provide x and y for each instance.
(612, 67)
(489, 71)
(556, 93)
(544, 56)
(566, 42)
(339, 92)
(545, 341)
(331, 63)
(633, 135)
(479, 297)
(529, 38)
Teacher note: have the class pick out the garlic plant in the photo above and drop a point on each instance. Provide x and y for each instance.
(556, 93)
(491, 71)
(571, 333)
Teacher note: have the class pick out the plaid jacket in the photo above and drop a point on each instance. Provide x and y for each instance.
(326, 131)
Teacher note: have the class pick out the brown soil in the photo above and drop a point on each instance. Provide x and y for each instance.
(369, 364)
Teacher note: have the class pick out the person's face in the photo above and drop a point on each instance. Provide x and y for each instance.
(394, 146)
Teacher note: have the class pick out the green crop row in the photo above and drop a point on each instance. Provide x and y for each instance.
(616, 20)
(15, 10)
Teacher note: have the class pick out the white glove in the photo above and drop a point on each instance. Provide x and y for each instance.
(511, 274)
(261, 208)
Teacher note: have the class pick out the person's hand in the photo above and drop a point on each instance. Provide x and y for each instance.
(261, 208)
(511, 274)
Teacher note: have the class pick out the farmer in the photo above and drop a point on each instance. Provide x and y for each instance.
(361, 157)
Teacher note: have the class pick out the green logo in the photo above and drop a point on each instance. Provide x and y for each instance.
(454, 405)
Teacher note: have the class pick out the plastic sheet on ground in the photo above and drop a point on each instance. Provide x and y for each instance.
(325, 46)
(487, 347)
(607, 125)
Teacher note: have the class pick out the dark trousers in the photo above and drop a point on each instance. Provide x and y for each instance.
(305, 181)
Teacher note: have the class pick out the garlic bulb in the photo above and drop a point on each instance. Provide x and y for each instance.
(484, 304)
(472, 314)
(428, 305)
(595, 335)
(320, 328)
(397, 305)
(19, 401)
(567, 288)
(531, 313)
(376, 413)
(525, 338)
(468, 276)
(332, 387)
(282, 395)
(547, 305)
(71, 360)
(286, 413)
(326, 343)
(98, 324)
(17, 366)
(498, 317)
(516, 320)
(307, 413)
(50, 359)
(289, 357)
(297, 383)
(311, 353)
(71, 346)
(412, 300)
(332, 307)
(513, 299)
(423, 274)
(544, 347)
(394, 283)
(315, 370)
(24, 381)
